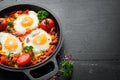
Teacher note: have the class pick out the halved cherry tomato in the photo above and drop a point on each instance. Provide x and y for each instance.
(47, 24)
(3, 24)
(23, 59)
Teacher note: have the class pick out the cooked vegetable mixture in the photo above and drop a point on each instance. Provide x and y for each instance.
(26, 38)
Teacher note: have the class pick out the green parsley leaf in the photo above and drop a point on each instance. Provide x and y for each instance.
(67, 69)
(9, 55)
(11, 63)
(42, 14)
(10, 23)
(7, 28)
(28, 48)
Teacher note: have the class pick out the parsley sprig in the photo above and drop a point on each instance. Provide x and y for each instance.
(9, 55)
(42, 14)
(67, 69)
(28, 48)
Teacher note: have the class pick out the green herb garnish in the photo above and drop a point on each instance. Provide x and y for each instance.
(42, 14)
(67, 69)
(11, 63)
(10, 23)
(9, 55)
(28, 48)
(7, 28)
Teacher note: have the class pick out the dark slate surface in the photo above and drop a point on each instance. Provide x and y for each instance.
(91, 31)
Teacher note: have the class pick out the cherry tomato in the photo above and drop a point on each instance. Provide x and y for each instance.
(23, 59)
(4, 60)
(47, 24)
(3, 24)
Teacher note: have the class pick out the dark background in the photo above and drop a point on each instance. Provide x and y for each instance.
(91, 31)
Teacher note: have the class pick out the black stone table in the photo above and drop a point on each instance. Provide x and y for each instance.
(91, 31)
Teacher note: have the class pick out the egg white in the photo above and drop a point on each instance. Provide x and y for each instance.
(37, 48)
(17, 23)
(3, 37)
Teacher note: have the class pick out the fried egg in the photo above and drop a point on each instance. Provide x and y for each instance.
(10, 43)
(39, 39)
(26, 22)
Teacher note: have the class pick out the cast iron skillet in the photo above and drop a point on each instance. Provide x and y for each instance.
(51, 58)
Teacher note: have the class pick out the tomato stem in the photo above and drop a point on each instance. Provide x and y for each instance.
(46, 21)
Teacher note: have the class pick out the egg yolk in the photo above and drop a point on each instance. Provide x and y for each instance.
(27, 21)
(40, 39)
(11, 44)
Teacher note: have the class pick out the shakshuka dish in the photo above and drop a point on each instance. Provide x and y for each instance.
(26, 38)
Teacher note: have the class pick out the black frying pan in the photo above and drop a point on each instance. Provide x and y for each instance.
(52, 58)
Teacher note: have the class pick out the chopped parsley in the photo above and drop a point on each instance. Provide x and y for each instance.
(8, 28)
(9, 55)
(42, 14)
(10, 23)
(28, 48)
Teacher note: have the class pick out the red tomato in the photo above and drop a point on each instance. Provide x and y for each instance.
(23, 59)
(3, 24)
(4, 60)
(47, 24)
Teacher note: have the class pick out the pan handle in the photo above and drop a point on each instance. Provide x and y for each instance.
(46, 76)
